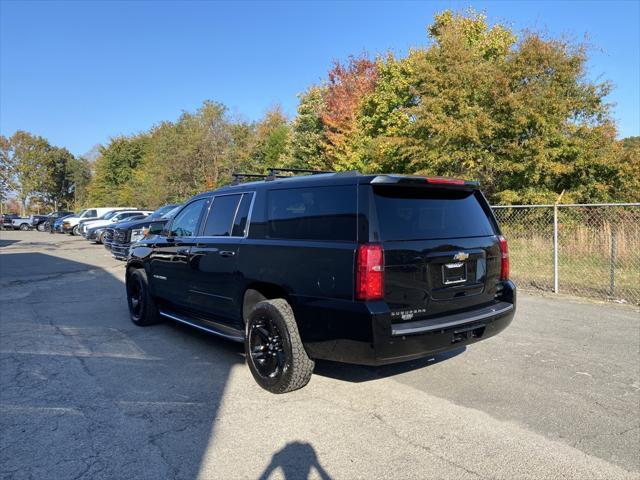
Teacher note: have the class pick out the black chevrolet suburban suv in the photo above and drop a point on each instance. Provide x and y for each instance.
(366, 269)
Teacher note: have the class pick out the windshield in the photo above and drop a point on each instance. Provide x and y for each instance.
(172, 212)
(161, 211)
(79, 214)
(108, 215)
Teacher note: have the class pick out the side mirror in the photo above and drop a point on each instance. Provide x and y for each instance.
(158, 229)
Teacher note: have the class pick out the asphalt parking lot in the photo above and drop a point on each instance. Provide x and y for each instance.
(86, 394)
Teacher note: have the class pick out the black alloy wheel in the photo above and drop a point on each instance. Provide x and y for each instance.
(266, 348)
(143, 310)
(275, 353)
(135, 296)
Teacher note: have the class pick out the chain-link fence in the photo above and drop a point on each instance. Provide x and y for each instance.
(590, 250)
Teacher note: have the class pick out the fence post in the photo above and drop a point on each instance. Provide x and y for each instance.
(613, 260)
(555, 248)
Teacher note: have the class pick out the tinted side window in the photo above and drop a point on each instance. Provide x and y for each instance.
(221, 216)
(240, 223)
(320, 213)
(90, 213)
(186, 222)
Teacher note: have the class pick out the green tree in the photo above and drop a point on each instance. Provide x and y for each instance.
(520, 116)
(79, 177)
(41, 170)
(7, 171)
(308, 136)
(114, 171)
(197, 152)
(271, 141)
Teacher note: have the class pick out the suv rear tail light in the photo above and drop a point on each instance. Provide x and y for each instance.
(370, 272)
(504, 250)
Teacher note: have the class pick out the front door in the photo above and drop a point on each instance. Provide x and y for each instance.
(216, 284)
(169, 261)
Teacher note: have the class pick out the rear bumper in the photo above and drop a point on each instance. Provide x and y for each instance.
(381, 342)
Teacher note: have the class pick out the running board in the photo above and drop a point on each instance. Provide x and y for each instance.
(212, 327)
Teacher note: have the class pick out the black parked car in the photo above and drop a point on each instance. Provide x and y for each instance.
(118, 238)
(98, 234)
(48, 225)
(367, 269)
(38, 221)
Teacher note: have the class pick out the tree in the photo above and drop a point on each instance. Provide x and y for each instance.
(519, 116)
(346, 87)
(7, 166)
(384, 120)
(197, 152)
(79, 177)
(308, 143)
(271, 141)
(114, 171)
(28, 152)
(626, 186)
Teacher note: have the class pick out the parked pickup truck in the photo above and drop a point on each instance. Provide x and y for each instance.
(21, 223)
(118, 238)
(6, 220)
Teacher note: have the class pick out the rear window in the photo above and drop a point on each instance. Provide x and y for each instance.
(428, 213)
(319, 213)
(221, 215)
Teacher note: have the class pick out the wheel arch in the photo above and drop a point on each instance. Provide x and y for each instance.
(257, 292)
(131, 266)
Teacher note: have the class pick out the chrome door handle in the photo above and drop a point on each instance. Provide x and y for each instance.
(226, 253)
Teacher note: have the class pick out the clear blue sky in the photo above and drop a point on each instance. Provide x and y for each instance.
(78, 73)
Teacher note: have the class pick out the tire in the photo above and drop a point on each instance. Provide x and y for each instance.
(143, 310)
(24, 227)
(274, 350)
(100, 239)
(41, 227)
(76, 230)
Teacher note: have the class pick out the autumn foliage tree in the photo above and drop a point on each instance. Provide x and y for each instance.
(346, 86)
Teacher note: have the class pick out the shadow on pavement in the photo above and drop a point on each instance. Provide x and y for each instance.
(364, 373)
(6, 243)
(296, 461)
(84, 393)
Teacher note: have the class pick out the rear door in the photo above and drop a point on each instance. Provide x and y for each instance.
(441, 252)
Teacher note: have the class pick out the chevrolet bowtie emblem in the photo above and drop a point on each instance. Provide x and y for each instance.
(461, 256)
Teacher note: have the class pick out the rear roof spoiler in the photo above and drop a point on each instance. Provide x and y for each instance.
(410, 180)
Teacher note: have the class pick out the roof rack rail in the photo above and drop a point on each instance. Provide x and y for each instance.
(273, 171)
(238, 176)
(273, 174)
